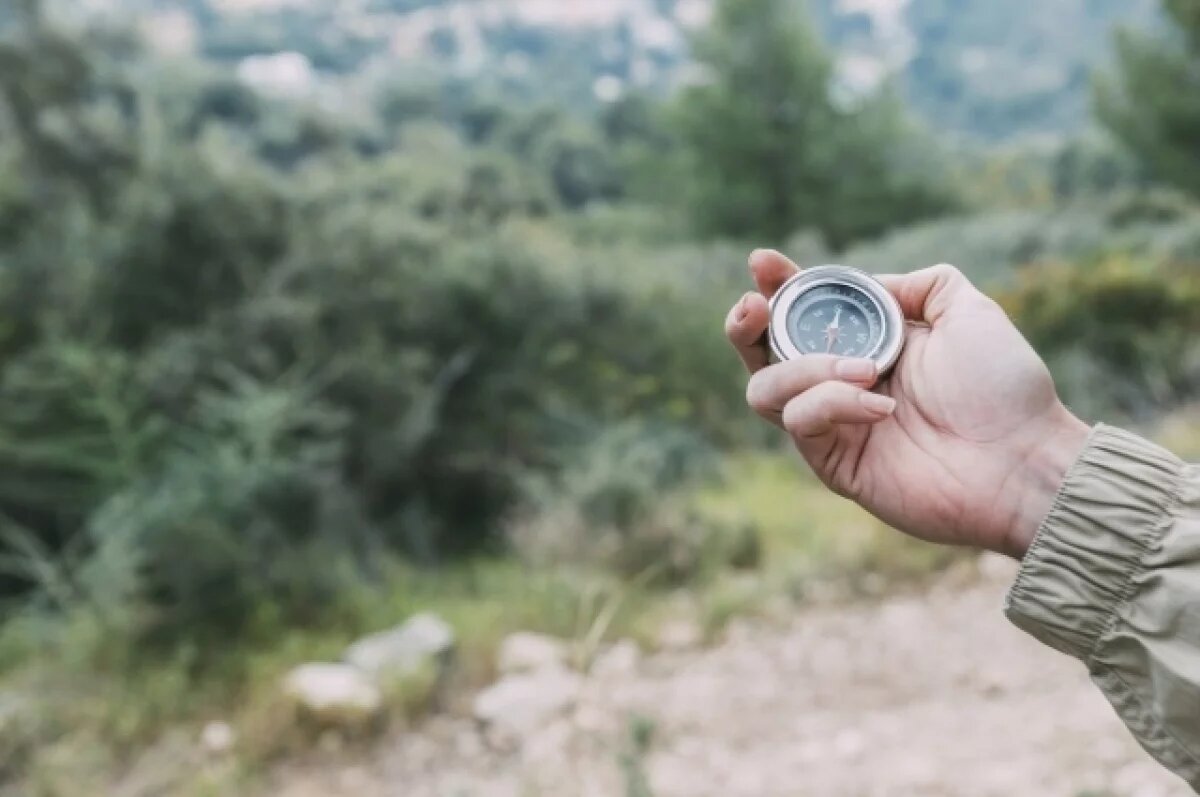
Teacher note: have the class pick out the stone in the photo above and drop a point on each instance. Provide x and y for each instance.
(217, 738)
(996, 567)
(517, 706)
(620, 660)
(679, 635)
(547, 745)
(336, 696)
(422, 641)
(525, 652)
(592, 717)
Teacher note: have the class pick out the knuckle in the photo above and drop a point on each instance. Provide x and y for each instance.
(756, 390)
(825, 402)
(793, 416)
(948, 274)
(809, 371)
(731, 322)
(777, 387)
(806, 413)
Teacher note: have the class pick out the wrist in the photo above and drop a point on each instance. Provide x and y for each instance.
(1038, 477)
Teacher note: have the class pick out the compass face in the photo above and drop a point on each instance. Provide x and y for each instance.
(835, 319)
(836, 310)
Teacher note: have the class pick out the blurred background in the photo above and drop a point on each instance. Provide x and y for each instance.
(367, 427)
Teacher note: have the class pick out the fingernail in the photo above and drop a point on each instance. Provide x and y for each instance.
(877, 404)
(855, 370)
(743, 309)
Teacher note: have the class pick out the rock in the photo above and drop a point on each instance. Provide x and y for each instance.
(592, 717)
(679, 635)
(217, 738)
(548, 745)
(528, 652)
(620, 660)
(996, 567)
(517, 706)
(337, 696)
(422, 641)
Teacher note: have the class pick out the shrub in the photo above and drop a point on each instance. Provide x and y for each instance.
(620, 503)
(1119, 334)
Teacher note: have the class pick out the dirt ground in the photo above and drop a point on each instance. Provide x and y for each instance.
(933, 694)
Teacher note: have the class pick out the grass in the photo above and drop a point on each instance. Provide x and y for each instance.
(1179, 432)
(810, 536)
(90, 722)
(640, 736)
(84, 724)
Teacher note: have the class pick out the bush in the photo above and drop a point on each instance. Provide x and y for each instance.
(988, 247)
(991, 247)
(620, 503)
(235, 382)
(1119, 334)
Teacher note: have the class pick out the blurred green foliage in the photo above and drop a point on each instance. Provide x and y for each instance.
(1120, 334)
(251, 348)
(236, 359)
(1152, 100)
(770, 148)
(623, 502)
(268, 368)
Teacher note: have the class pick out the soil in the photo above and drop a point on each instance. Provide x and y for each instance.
(929, 694)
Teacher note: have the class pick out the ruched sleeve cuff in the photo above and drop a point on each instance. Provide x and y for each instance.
(1115, 504)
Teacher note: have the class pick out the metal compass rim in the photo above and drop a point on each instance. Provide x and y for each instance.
(891, 340)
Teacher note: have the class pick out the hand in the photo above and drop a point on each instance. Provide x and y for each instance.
(964, 442)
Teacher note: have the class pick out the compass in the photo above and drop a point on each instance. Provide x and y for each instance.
(836, 310)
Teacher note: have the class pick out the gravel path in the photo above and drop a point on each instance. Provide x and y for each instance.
(927, 695)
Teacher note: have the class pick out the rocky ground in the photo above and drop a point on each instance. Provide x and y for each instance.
(932, 694)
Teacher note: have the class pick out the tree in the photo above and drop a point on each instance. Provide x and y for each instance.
(772, 152)
(1152, 101)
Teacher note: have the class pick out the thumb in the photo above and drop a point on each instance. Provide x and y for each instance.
(927, 294)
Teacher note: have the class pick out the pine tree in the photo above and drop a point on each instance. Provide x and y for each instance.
(770, 150)
(1152, 101)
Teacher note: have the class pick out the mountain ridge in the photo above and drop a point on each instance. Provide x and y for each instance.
(987, 71)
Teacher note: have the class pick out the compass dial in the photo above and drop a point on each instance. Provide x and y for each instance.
(836, 310)
(835, 319)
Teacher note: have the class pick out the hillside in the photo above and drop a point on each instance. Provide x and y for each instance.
(990, 71)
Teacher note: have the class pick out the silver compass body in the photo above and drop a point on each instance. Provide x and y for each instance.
(836, 310)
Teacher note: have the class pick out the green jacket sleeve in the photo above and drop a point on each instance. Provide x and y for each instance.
(1113, 578)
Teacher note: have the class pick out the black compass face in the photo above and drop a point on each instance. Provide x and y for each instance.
(836, 319)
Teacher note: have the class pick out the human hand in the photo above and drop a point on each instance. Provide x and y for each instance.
(964, 442)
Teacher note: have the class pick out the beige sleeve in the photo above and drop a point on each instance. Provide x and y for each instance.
(1113, 578)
